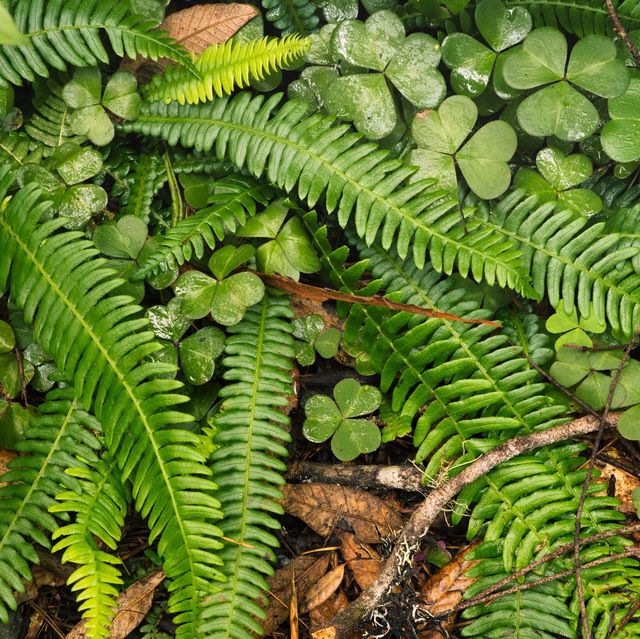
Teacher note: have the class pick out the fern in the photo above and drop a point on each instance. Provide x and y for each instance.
(291, 16)
(49, 124)
(99, 511)
(144, 184)
(581, 17)
(62, 33)
(17, 149)
(222, 67)
(250, 433)
(232, 202)
(56, 279)
(315, 156)
(572, 260)
(61, 431)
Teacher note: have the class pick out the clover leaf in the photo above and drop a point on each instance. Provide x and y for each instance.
(471, 62)
(558, 173)
(621, 135)
(559, 109)
(225, 296)
(482, 160)
(7, 337)
(573, 330)
(124, 238)
(169, 321)
(199, 352)
(327, 418)
(315, 335)
(409, 63)
(84, 94)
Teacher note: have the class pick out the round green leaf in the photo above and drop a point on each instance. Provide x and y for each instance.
(85, 88)
(7, 337)
(447, 128)
(534, 184)
(502, 27)
(328, 342)
(196, 291)
(571, 367)
(500, 86)
(93, 123)
(561, 321)
(199, 352)
(584, 201)
(470, 63)
(594, 390)
(124, 238)
(229, 258)
(558, 110)
(436, 166)
(355, 437)
(621, 136)
(412, 71)
(386, 31)
(483, 159)
(234, 295)
(80, 203)
(561, 171)
(365, 99)
(594, 67)
(169, 322)
(354, 399)
(77, 164)
(121, 96)
(14, 420)
(305, 353)
(629, 424)
(541, 59)
(323, 418)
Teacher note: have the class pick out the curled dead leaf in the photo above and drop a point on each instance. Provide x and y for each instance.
(626, 483)
(326, 611)
(328, 508)
(362, 560)
(324, 588)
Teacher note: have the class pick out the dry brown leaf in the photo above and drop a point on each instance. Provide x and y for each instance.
(308, 570)
(5, 457)
(293, 609)
(324, 588)
(326, 611)
(328, 508)
(445, 589)
(133, 605)
(198, 27)
(626, 483)
(363, 561)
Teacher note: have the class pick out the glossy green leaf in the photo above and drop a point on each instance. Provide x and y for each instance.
(77, 164)
(196, 291)
(355, 437)
(80, 203)
(470, 63)
(328, 342)
(562, 171)
(268, 223)
(233, 295)
(621, 136)
(500, 26)
(124, 238)
(169, 321)
(354, 399)
(7, 337)
(199, 352)
(584, 201)
(323, 418)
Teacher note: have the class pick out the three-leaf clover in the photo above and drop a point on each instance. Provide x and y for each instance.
(84, 94)
(315, 335)
(225, 296)
(471, 62)
(199, 352)
(558, 174)
(328, 418)
(559, 108)
(289, 251)
(572, 329)
(380, 45)
(440, 135)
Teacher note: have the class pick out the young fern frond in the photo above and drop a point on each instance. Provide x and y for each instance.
(315, 156)
(250, 435)
(571, 260)
(99, 512)
(61, 34)
(61, 431)
(100, 343)
(291, 16)
(234, 199)
(223, 67)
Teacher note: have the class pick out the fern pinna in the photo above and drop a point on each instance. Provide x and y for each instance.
(100, 343)
(251, 433)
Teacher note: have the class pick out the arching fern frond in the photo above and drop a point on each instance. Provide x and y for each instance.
(234, 199)
(315, 156)
(17, 149)
(61, 431)
(291, 16)
(572, 260)
(223, 67)
(100, 343)
(581, 17)
(98, 512)
(250, 434)
(59, 34)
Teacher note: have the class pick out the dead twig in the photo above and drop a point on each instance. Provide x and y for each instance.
(621, 31)
(399, 562)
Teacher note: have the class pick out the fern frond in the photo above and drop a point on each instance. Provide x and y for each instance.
(291, 16)
(17, 149)
(144, 184)
(223, 67)
(61, 431)
(99, 512)
(234, 199)
(582, 17)
(572, 260)
(59, 34)
(251, 433)
(49, 124)
(100, 342)
(315, 156)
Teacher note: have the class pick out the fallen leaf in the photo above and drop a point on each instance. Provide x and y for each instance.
(329, 508)
(5, 457)
(324, 588)
(362, 560)
(198, 27)
(445, 589)
(308, 570)
(133, 605)
(326, 611)
(293, 609)
(626, 483)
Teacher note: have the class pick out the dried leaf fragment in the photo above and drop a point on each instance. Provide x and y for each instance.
(362, 560)
(324, 588)
(328, 508)
(326, 611)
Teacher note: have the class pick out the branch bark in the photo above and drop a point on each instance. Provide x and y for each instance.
(399, 563)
